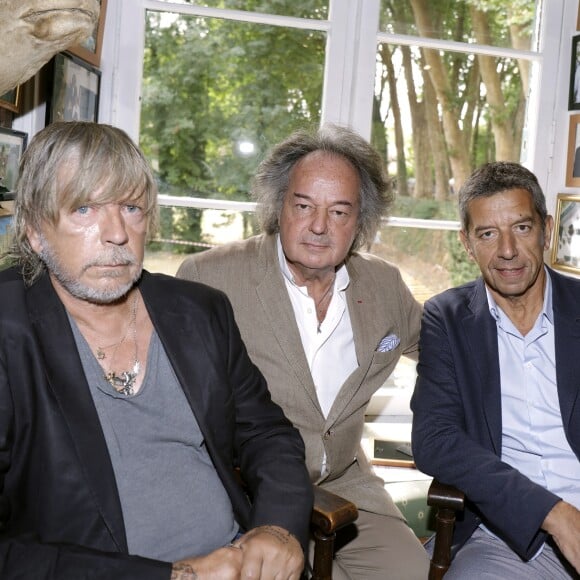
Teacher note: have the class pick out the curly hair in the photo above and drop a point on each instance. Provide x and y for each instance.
(271, 180)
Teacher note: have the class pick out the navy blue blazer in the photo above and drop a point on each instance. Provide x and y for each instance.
(457, 411)
(60, 514)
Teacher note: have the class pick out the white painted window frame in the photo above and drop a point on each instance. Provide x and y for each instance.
(352, 29)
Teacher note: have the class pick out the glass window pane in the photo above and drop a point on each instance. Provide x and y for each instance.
(185, 230)
(501, 24)
(217, 94)
(438, 115)
(430, 260)
(298, 8)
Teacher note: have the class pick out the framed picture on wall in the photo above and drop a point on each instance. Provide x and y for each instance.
(11, 100)
(566, 242)
(75, 91)
(12, 145)
(90, 49)
(573, 155)
(574, 95)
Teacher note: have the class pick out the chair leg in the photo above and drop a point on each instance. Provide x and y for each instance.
(441, 555)
(323, 554)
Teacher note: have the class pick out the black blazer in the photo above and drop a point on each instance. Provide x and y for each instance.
(60, 513)
(457, 410)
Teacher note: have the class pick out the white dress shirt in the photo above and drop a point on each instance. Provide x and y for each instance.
(533, 438)
(331, 352)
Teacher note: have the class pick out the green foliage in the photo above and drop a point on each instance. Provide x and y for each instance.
(422, 243)
(462, 269)
(210, 84)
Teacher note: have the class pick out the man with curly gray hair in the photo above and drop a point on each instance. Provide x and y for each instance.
(326, 324)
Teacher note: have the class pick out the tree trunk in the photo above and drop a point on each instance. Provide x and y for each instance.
(423, 187)
(437, 142)
(500, 116)
(457, 147)
(386, 57)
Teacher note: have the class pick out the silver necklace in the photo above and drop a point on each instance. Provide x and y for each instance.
(124, 382)
(100, 352)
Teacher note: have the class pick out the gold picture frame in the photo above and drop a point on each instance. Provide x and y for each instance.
(566, 237)
(11, 100)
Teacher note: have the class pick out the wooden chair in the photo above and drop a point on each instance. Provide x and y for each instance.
(330, 513)
(448, 501)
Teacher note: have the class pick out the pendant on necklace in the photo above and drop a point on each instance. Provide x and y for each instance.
(124, 383)
(100, 353)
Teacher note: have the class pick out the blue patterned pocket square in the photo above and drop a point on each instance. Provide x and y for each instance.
(388, 343)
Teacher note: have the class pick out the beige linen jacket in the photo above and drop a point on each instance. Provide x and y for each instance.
(379, 303)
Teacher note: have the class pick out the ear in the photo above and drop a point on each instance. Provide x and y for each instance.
(548, 227)
(465, 241)
(34, 239)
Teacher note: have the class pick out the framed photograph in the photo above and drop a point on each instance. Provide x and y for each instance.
(90, 49)
(573, 154)
(574, 96)
(566, 242)
(12, 145)
(75, 90)
(11, 100)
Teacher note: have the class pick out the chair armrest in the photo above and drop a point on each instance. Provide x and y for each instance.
(331, 512)
(446, 496)
(448, 500)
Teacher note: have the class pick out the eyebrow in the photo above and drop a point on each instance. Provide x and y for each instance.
(523, 220)
(307, 197)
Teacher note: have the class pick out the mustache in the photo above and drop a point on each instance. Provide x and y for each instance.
(113, 257)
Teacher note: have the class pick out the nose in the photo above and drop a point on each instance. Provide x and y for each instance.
(113, 226)
(507, 247)
(319, 223)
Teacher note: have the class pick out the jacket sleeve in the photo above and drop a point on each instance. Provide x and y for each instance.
(269, 449)
(23, 555)
(454, 441)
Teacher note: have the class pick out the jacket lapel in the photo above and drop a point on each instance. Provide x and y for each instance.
(67, 380)
(567, 339)
(363, 304)
(480, 336)
(275, 303)
(181, 337)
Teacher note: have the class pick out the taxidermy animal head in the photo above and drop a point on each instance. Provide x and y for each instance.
(33, 31)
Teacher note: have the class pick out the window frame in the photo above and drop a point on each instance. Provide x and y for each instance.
(348, 85)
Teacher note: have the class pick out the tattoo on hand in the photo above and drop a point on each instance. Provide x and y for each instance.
(282, 536)
(182, 571)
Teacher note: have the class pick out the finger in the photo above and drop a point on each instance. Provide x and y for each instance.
(252, 567)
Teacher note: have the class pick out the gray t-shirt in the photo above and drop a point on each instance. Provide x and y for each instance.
(174, 503)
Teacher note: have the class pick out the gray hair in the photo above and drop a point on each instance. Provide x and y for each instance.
(270, 183)
(103, 158)
(496, 177)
